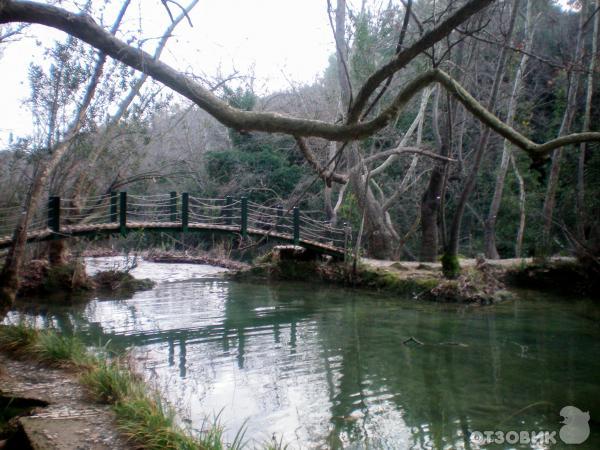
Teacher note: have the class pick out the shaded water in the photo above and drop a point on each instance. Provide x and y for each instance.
(327, 367)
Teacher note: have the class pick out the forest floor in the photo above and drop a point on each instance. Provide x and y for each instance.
(71, 419)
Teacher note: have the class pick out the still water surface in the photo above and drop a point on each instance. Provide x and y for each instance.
(324, 367)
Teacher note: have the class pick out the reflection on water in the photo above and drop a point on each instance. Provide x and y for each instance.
(330, 368)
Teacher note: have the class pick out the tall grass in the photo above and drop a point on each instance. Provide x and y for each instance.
(55, 348)
(142, 416)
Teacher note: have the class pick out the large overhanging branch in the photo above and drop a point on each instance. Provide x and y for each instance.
(404, 57)
(83, 27)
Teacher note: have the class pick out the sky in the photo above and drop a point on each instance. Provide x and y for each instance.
(281, 41)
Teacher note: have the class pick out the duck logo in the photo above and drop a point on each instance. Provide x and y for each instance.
(576, 428)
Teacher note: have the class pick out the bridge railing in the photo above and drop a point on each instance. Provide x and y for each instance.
(74, 211)
(215, 211)
(9, 216)
(181, 211)
(152, 208)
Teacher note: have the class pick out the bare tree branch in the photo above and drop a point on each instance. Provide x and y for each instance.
(84, 28)
(403, 58)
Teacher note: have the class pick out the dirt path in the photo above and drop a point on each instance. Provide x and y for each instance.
(70, 421)
(415, 265)
(470, 262)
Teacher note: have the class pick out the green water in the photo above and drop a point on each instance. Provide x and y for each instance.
(326, 367)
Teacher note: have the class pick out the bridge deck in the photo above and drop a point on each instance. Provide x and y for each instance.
(113, 228)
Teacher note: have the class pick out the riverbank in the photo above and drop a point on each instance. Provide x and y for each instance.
(84, 400)
(481, 282)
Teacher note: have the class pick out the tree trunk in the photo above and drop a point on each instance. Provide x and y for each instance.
(431, 200)
(451, 251)
(430, 204)
(490, 222)
(522, 198)
(580, 204)
(9, 277)
(380, 240)
(544, 246)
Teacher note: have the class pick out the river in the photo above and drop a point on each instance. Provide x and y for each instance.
(324, 367)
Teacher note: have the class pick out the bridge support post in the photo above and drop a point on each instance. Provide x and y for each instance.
(173, 207)
(123, 213)
(296, 225)
(244, 224)
(279, 218)
(228, 203)
(54, 214)
(185, 208)
(114, 201)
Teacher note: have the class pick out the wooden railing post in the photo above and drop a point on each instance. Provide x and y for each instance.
(114, 202)
(346, 239)
(123, 213)
(173, 207)
(54, 214)
(296, 225)
(244, 224)
(279, 218)
(228, 203)
(185, 208)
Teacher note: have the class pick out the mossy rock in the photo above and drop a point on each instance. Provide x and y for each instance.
(398, 266)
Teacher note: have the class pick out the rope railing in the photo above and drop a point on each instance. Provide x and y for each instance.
(181, 211)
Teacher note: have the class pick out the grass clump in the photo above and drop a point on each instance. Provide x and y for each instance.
(148, 421)
(17, 339)
(47, 345)
(142, 415)
(110, 382)
(55, 348)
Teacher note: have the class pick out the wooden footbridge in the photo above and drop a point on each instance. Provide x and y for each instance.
(121, 213)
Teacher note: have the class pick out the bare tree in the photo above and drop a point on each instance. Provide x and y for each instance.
(450, 254)
(580, 208)
(565, 126)
(490, 222)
